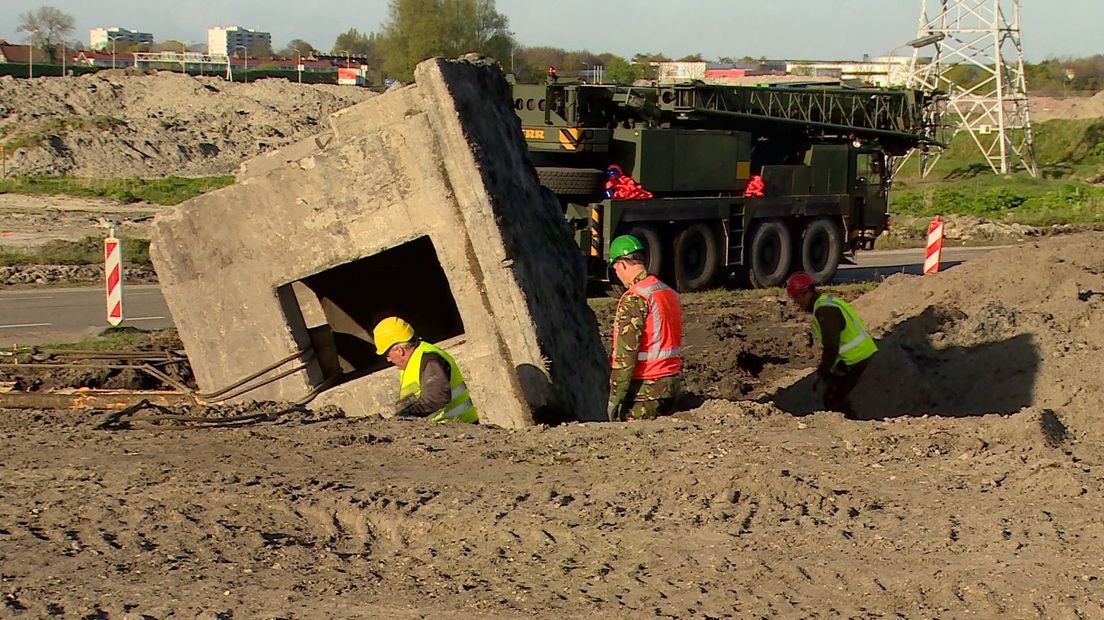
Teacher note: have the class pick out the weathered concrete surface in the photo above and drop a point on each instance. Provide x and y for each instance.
(441, 159)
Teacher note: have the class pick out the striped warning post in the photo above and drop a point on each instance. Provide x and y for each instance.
(935, 246)
(595, 236)
(113, 272)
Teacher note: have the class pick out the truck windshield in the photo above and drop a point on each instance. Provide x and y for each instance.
(868, 166)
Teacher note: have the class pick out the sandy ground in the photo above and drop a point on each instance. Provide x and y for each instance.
(972, 488)
(730, 510)
(121, 124)
(29, 221)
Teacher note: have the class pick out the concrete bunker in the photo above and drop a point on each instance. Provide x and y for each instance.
(420, 203)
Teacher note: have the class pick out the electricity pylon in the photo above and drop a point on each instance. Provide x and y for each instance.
(978, 64)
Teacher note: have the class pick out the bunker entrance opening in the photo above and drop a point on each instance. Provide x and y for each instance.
(335, 310)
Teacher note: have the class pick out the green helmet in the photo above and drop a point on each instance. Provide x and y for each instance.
(622, 246)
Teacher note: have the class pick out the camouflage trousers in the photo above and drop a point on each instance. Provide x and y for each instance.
(647, 400)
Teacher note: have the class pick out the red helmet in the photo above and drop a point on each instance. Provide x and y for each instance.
(798, 282)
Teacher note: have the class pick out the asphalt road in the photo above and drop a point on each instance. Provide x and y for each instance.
(45, 315)
(880, 264)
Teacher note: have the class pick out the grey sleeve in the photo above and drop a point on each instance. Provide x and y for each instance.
(435, 389)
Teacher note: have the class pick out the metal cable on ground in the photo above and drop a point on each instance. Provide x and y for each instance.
(147, 368)
(235, 389)
(307, 354)
(123, 418)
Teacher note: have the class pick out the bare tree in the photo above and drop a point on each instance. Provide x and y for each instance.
(47, 27)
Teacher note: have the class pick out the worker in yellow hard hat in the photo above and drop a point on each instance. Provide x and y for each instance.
(430, 383)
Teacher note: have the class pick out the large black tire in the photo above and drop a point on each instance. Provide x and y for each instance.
(572, 181)
(770, 254)
(821, 248)
(697, 256)
(654, 256)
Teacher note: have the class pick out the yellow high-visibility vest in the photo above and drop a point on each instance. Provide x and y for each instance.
(460, 408)
(856, 344)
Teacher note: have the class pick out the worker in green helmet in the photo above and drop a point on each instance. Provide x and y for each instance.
(646, 358)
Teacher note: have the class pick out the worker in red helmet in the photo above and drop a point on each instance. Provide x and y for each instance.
(847, 346)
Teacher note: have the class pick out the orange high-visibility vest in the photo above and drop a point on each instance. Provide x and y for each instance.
(660, 352)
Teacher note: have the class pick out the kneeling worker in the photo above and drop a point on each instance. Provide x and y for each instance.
(430, 383)
(647, 339)
(847, 345)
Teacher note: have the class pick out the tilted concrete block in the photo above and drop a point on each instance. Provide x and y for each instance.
(420, 203)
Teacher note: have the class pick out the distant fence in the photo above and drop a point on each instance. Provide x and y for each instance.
(20, 71)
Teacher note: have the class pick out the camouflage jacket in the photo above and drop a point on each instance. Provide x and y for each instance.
(628, 326)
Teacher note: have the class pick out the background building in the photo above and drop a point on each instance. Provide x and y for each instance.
(100, 38)
(884, 71)
(222, 41)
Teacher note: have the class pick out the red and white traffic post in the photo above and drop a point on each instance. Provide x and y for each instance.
(113, 275)
(935, 246)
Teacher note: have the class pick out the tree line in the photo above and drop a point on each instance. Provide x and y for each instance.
(418, 29)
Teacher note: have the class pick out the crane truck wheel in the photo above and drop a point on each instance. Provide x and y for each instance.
(653, 246)
(697, 256)
(821, 247)
(771, 254)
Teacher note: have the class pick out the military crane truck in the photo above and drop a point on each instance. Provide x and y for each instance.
(821, 156)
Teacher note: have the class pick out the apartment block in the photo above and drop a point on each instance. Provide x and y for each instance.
(101, 38)
(223, 41)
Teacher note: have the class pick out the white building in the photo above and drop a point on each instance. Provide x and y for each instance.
(100, 38)
(885, 71)
(223, 41)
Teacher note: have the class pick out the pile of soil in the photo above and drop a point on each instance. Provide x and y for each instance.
(119, 124)
(1018, 327)
(734, 347)
(1047, 108)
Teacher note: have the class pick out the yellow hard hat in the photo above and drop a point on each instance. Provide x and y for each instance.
(390, 332)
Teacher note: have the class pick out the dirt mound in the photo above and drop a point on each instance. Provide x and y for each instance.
(115, 124)
(1047, 108)
(1017, 328)
(734, 348)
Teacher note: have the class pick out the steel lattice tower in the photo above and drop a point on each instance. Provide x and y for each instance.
(984, 35)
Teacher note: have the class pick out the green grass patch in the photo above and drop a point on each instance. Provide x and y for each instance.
(1016, 198)
(1069, 188)
(87, 251)
(165, 191)
(117, 339)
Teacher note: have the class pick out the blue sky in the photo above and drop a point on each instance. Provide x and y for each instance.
(824, 29)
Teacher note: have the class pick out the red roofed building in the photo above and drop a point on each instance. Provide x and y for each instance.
(21, 54)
